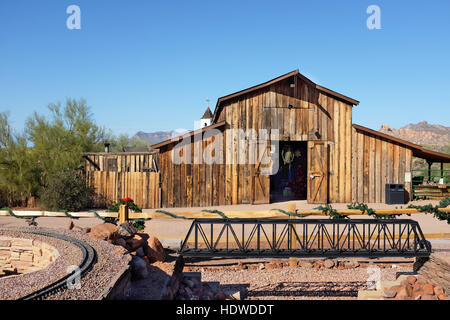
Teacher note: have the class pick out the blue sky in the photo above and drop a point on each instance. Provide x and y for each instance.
(147, 65)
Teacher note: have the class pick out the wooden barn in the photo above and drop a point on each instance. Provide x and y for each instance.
(285, 139)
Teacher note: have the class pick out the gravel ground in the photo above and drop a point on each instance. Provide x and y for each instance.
(296, 283)
(92, 285)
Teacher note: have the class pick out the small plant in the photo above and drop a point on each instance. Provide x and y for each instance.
(126, 201)
(139, 224)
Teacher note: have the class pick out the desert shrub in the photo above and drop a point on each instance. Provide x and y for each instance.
(66, 190)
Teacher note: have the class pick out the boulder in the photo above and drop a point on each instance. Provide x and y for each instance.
(428, 289)
(120, 250)
(305, 264)
(126, 230)
(220, 296)
(155, 250)
(404, 293)
(140, 252)
(389, 293)
(121, 242)
(80, 229)
(138, 268)
(329, 263)
(411, 279)
(105, 231)
(135, 242)
(438, 290)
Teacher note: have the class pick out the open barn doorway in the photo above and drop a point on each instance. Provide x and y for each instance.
(290, 182)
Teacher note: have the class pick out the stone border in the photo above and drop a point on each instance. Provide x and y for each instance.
(20, 255)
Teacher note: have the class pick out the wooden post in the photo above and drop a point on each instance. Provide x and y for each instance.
(293, 261)
(429, 169)
(123, 214)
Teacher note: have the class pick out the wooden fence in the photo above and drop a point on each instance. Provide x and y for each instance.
(143, 187)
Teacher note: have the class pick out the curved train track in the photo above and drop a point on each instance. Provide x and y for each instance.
(87, 262)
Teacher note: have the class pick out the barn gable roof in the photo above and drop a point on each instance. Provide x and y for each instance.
(188, 134)
(221, 100)
(417, 150)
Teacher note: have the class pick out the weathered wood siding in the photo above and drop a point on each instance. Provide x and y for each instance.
(110, 186)
(377, 161)
(316, 116)
(124, 162)
(119, 175)
(192, 183)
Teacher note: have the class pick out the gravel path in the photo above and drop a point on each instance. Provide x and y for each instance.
(296, 283)
(92, 285)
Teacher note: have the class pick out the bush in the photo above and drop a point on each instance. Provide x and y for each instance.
(66, 190)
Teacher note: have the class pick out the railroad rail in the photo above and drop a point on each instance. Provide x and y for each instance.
(278, 238)
(89, 258)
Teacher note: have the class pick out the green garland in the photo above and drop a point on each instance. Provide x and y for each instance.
(105, 219)
(116, 206)
(292, 214)
(173, 215)
(429, 208)
(364, 208)
(329, 211)
(11, 213)
(68, 214)
(220, 213)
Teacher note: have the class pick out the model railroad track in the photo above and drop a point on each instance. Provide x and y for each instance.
(87, 262)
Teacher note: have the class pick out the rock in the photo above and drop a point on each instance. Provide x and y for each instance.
(146, 260)
(429, 297)
(189, 283)
(404, 293)
(417, 287)
(80, 229)
(139, 268)
(275, 264)
(389, 293)
(156, 251)
(328, 263)
(105, 231)
(418, 293)
(241, 266)
(71, 225)
(396, 288)
(135, 242)
(441, 296)
(428, 289)
(121, 242)
(305, 264)
(411, 280)
(120, 250)
(438, 290)
(220, 296)
(349, 265)
(233, 295)
(261, 266)
(140, 252)
(126, 230)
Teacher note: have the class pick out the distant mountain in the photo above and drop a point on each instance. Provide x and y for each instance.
(158, 136)
(422, 133)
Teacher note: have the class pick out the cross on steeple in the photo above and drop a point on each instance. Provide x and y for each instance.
(207, 101)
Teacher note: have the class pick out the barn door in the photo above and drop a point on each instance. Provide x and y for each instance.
(260, 178)
(317, 172)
